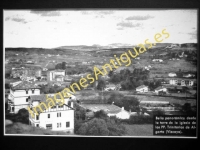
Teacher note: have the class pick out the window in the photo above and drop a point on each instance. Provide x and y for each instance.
(26, 91)
(26, 99)
(58, 125)
(60, 106)
(37, 117)
(48, 115)
(54, 107)
(59, 114)
(49, 126)
(37, 125)
(67, 124)
(33, 91)
(69, 103)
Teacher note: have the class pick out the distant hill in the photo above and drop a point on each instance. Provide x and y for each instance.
(75, 48)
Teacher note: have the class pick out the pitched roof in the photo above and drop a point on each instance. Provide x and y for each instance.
(108, 108)
(25, 85)
(159, 88)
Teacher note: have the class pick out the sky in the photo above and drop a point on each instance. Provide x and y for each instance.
(55, 28)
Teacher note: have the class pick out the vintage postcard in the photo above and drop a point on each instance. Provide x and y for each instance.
(100, 72)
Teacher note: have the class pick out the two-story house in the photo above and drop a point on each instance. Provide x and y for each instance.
(19, 93)
(57, 118)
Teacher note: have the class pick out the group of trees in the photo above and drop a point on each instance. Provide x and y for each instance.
(61, 66)
(101, 125)
(22, 116)
(129, 103)
(129, 80)
(45, 89)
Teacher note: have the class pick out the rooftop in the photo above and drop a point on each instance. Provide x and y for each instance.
(43, 98)
(159, 88)
(25, 85)
(108, 108)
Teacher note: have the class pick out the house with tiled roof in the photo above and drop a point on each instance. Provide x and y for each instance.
(142, 89)
(159, 89)
(19, 93)
(110, 109)
(52, 111)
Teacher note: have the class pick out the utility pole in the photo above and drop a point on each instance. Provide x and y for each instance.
(102, 94)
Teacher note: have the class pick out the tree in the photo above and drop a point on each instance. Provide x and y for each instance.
(101, 84)
(22, 116)
(115, 78)
(100, 114)
(94, 127)
(63, 65)
(186, 108)
(58, 66)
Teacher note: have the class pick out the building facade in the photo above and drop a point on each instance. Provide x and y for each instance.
(56, 118)
(182, 82)
(51, 76)
(19, 93)
(142, 89)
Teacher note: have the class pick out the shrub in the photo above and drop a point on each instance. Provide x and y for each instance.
(94, 127)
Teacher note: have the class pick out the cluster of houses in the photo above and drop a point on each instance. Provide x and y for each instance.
(24, 73)
(26, 95)
(145, 89)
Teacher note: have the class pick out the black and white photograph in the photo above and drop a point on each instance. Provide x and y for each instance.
(100, 72)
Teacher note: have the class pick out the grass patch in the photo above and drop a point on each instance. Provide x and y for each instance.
(19, 128)
(139, 130)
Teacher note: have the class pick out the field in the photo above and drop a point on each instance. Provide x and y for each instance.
(139, 130)
(169, 99)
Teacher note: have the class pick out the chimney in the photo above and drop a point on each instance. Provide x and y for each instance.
(129, 110)
(112, 103)
(122, 108)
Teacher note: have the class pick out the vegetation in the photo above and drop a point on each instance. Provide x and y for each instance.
(22, 116)
(129, 103)
(20, 128)
(100, 125)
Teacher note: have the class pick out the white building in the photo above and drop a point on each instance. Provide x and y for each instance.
(142, 89)
(53, 74)
(110, 109)
(123, 114)
(157, 60)
(173, 81)
(110, 87)
(56, 118)
(19, 93)
(171, 74)
(159, 89)
(188, 75)
(182, 82)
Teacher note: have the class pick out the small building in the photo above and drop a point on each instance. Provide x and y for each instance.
(172, 74)
(110, 109)
(51, 75)
(142, 89)
(159, 89)
(188, 75)
(110, 87)
(157, 60)
(59, 78)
